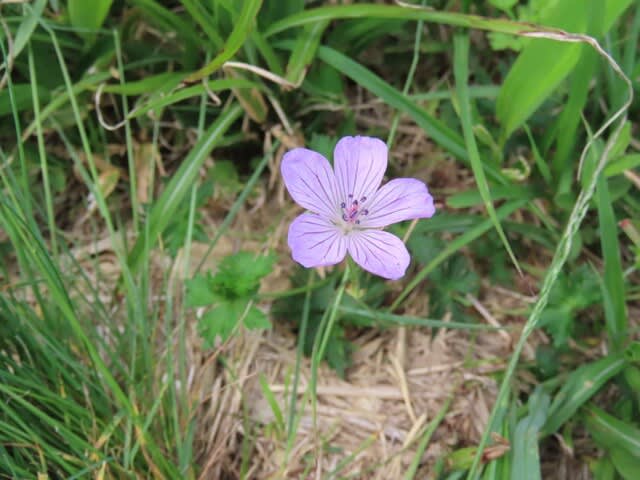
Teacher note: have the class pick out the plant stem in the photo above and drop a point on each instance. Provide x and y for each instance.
(324, 332)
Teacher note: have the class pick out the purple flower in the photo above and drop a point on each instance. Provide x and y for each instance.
(347, 209)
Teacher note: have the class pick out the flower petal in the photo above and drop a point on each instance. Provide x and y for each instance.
(316, 241)
(310, 181)
(380, 253)
(360, 163)
(400, 199)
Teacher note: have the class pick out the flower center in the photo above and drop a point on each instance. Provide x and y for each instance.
(352, 210)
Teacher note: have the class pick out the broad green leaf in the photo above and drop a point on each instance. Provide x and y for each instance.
(256, 319)
(613, 432)
(239, 275)
(221, 321)
(27, 26)
(603, 469)
(626, 464)
(526, 457)
(626, 162)
(579, 387)
(88, 15)
(543, 64)
(540, 68)
(199, 291)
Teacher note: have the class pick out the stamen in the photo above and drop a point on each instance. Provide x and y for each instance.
(351, 210)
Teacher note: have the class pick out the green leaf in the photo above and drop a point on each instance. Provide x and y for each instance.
(438, 131)
(503, 4)
(461, 74)
(239, 275)
(323, 144)
(199, 291)
(21, 96)
(241, 30)
(304, 51)
(543, 64)
(618, 166)
(632, 352)
(27, 26)
(559, 323)
(540, 68)
(221, 321)
(87, 15)
(626, 464)
(613, 432)
(456, 275)
(579, 387)
(256, 319)
(613, 285)
(526, 457)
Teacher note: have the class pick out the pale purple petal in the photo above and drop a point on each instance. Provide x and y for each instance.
(315, 241)
(360, 163)
(380, 253)
(311, 182)
(400, 199)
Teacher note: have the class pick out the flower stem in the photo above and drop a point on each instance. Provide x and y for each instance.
(293, 418)
(322, 340)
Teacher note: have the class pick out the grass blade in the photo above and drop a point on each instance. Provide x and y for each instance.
(236, 39)
(304, 51)
(180, 185)
(461, 73)
(526, 457)
(613, 285)
(437, 130)
(580, 387)
(615, 432)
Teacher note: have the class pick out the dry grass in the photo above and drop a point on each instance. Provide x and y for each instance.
(399, 380)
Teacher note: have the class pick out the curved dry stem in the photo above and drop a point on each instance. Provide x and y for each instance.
(283, 82)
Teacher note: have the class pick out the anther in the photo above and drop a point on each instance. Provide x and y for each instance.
(343, 205)
(364, 212)
(363, 199)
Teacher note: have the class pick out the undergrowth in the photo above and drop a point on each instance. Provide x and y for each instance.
(137, 132)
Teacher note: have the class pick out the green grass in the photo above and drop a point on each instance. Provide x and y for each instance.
(96, 373)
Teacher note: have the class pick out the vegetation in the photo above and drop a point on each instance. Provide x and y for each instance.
(153, 324)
